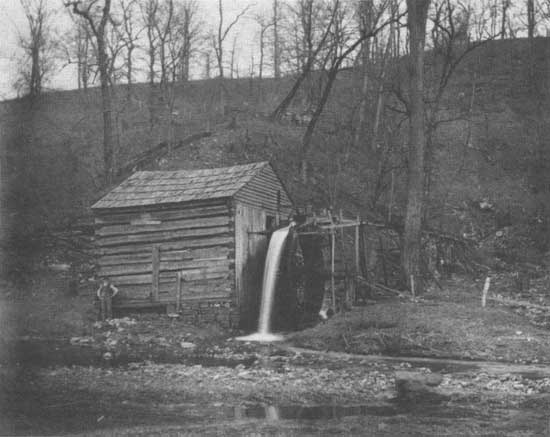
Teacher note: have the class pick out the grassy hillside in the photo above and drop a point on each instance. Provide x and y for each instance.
(494, 153)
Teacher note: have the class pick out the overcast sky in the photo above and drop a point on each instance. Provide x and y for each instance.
(13, 23)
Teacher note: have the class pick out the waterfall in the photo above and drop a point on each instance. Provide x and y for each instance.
(271, 269)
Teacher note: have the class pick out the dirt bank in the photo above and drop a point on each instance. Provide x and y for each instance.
(444, 323)
(63, 373)
(277, 394)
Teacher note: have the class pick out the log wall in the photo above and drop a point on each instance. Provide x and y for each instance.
(195, 239)
(267, 192)
(219, 245)
(250, 252)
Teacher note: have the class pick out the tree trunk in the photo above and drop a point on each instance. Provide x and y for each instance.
(308, 64)
(186, 47)
(129, 72)
(103, 65)
(107, 111)
(306, 140)
(281, 109)
(276, 59)
(207, 66)
(261, 66)
(35, 85)
(85, 67)
(531, 22)
(417, 16)
(505, 5)
(360, 129)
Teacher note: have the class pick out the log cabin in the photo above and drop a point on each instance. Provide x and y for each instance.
(191, 240)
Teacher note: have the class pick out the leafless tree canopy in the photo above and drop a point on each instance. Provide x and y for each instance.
(39, 45)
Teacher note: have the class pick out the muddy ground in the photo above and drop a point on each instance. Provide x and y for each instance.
(151, 374)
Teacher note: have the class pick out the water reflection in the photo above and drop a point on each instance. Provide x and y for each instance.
(285, 412)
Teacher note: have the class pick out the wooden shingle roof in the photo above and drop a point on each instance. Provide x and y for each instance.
(145, 188)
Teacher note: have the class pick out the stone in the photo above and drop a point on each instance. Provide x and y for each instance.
(411, 384)
(107, 356)
(187, 345)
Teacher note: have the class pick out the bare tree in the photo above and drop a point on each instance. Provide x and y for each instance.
(149, 9)
(207, 64)
(38, 46)
(308, 46)
(163, 29)
(177, 30)
(265, 25)
(276, 40)
(531, 19)
(78, 49)
(98, 17)
(129, 36)
(218, 40)
(115, 46)
(417, 17)
(342, 44)
(505, 5)
(189, 32)
(365, 16)
(221, 34)
(232, 58)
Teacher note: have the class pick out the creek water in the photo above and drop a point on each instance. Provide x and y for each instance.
(269, 284)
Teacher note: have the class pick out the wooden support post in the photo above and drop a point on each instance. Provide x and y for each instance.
(357, 268)
(178, 291)
(383, 253)
(332, 285)
(390, 206)
(156, 273)
(349, 285)
(278, 214)
(357, 257)
(485, 291)
(332, 261)
(363, 251)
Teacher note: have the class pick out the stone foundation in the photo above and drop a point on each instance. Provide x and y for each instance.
(223, 313)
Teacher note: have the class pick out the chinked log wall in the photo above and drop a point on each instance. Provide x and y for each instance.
(141, 252)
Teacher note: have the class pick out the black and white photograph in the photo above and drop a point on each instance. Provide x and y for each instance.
(275, 218)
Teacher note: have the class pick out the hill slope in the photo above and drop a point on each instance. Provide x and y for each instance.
(490, 149)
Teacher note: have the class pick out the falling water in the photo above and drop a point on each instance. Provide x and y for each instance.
(271, 268)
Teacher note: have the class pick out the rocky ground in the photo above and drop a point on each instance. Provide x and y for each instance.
(64, 373)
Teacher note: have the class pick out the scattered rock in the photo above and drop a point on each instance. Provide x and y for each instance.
(111, 342)
(187, 345)
(107, 356)
(60, 267)
(80, 341)
(415, 384)
(161, 341)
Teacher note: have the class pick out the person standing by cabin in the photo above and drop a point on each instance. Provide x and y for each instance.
(105, 294)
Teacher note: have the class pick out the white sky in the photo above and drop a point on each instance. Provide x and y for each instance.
(13, 23)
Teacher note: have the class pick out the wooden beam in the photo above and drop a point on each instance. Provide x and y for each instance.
(212, 264)
(357, 266)
(353, 296)
(180, 244)
(163, 236)
(173, 225)
(332, 248)
(155, 265)
(170, 277)
(178, 291)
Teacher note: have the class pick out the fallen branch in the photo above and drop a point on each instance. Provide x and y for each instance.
(379, 286)
(507, 301)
